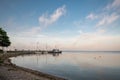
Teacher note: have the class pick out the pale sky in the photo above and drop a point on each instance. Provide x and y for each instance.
(65, 24)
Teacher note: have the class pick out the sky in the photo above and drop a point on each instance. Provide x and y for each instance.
(91, 25)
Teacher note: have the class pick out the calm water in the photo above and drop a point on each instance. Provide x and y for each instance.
(75, 65)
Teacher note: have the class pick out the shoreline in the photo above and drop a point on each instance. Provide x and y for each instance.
(7, 63)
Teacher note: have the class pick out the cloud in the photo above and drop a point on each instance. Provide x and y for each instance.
(108, 19)
(101, 31)
(91, 16)
(46, 20)
(82, 41)
(34, 31)
(96, 41)
(27, 38)
(106, 16)
(115, 4)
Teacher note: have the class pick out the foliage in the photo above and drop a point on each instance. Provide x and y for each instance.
(4, 39)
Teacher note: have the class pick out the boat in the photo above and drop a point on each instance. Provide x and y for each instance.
(55, 51)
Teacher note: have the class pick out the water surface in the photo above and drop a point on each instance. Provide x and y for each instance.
(75, 65)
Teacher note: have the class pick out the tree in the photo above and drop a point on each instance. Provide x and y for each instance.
(4, 39)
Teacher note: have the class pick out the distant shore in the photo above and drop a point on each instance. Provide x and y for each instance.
(9, 71)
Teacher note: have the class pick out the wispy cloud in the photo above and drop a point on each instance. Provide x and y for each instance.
(46, 20)
(96, 41)
(91, 16)
(32, 34)
(83, 41)
(108, 19)
(106, 16)
(110, 13)
(101, 31)
(34, 31)
(115, 4)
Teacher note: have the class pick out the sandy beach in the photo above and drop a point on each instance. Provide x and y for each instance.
(10, 73)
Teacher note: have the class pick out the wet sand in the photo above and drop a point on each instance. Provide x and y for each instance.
(10, 73)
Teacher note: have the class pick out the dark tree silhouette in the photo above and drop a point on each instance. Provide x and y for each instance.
(4, 39)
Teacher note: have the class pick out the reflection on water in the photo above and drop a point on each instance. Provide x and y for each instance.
(75, 65)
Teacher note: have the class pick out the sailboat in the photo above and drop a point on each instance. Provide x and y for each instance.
(55, 51)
